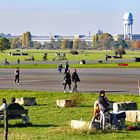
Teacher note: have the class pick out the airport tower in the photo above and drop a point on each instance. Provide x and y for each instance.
(128, 22)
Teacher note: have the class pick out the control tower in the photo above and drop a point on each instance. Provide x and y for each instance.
(128, 22)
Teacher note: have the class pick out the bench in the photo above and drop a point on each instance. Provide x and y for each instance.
(117, 57)
(17, 114)
(28, 59)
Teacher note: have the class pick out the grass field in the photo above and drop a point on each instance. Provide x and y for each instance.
(86, 54)
(96, 65)
(52, 123)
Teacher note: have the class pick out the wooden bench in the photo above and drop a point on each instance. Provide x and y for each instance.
(17, 114)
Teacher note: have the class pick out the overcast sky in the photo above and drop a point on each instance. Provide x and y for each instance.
(66, 17)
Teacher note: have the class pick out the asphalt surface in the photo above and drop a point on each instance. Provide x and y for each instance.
(112, 80)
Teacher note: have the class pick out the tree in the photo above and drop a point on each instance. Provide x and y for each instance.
(120, 50)
(105, 40)
(136, 44)
(64, 43)
(15, 43)
(76, 43)
(123, 43)
(129, 43)
(82, 44)
(114, 44)
(4, 44)
(52, 43)
(27, 40)
(37, 45)
(95, 40)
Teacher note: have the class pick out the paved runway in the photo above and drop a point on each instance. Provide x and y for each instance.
(112, 80)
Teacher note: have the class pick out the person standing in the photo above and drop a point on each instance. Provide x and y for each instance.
(103, 107)
(18, 61)
(106, 57)
(75, 79)
(67, 81)
(6, 61)
(17, 72)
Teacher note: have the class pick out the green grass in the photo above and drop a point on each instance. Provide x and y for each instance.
(52, 123)
(86, 54)
(98, 65)
(83, 54)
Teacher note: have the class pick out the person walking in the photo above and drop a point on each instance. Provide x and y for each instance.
(67, 81)
(66, 67)
(60, 67)
(17, 72)
(75, 79)
(18, 61)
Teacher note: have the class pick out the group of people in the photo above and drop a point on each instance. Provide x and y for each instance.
(6, 62)
(68, 79)
(60, 67)
(12, 106)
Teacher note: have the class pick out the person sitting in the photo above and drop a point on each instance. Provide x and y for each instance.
(14, 106)
(96, 112)
(103, 107)
(4, 105)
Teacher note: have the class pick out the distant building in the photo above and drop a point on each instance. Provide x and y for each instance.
(116, 37)
(121, 37)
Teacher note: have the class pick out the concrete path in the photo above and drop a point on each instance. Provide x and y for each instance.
(112, 80)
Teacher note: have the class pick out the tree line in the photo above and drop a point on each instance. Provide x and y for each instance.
(99, 41)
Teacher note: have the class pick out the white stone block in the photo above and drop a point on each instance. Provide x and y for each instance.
(26, 101)
(133, 115)
(122, 106)
(65, 103)
(81, 125)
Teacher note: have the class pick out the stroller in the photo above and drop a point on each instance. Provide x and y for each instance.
(113, 121)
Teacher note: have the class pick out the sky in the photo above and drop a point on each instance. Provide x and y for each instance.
(66, 17)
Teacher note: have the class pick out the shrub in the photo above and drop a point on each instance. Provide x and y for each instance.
(120, 51)
(74, 52)
(78, 98)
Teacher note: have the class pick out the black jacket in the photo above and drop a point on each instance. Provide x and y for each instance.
(75, 77)
(103, 104)
(67, 78)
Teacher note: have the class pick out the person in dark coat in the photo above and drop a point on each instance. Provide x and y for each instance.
(75, 79)
(17, 75)
(67, 81)
(60, 67)
(66, 67)
(18, 61)
(14, 106)
(103, 107)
